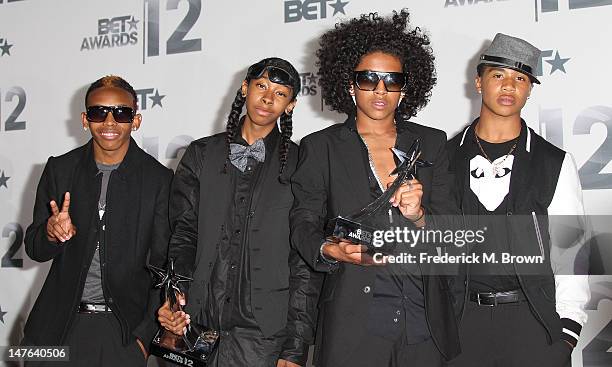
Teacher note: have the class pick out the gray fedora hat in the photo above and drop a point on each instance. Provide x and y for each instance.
(513, 53)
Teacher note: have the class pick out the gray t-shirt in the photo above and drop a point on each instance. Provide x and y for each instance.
(92, 290)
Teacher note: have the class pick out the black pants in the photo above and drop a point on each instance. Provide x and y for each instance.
(240, 347)
(95, 341)
(507, 335)
(375, 351)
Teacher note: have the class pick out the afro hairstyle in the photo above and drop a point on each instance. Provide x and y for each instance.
(342, 48)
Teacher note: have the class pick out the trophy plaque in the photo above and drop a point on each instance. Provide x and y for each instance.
(359, 227)
(194, 347)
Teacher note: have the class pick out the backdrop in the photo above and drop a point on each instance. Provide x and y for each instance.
(186, 58)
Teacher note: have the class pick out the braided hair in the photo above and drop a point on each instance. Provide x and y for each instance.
(286, 122)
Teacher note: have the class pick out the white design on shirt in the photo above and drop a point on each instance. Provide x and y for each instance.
(490, 182)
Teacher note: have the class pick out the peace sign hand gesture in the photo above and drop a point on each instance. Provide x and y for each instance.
(59, 224)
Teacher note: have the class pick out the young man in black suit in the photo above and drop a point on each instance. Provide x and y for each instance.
(100, 213)
(229, 211)
(379, 72)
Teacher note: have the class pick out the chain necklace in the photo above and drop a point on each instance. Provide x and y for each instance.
(373, 169)
(497, 165)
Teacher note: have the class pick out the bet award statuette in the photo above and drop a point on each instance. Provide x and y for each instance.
(193, 347)
(359, 227)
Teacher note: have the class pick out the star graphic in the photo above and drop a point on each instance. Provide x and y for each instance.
(557, 63)
(312, 79)
(157, 99)
(2, 313)
(339, 7)
(410, 160)
(169, 280)
(133, 23)
(6, 48)
(3, 180)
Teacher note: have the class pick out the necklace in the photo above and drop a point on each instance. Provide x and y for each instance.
(373, 169)
(496, 165)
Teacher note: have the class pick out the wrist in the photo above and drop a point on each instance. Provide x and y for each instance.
(418, 216)
(324, 258)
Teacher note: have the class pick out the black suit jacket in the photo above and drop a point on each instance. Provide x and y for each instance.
(280, 280)
(331, 180)
(137, 227)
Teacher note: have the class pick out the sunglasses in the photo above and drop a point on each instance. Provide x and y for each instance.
(275, 74)
(368, 80)
(121, 114)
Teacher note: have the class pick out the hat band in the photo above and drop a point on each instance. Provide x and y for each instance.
(511, 63)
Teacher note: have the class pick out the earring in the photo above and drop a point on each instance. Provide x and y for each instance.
(243, 95)
(134, 129)
(85, 128)
(479, 91)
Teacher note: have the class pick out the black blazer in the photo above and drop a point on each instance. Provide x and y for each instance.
(280, 280)
(136, 227)
(332, 179)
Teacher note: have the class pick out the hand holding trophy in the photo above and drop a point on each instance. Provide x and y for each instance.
(195, 344)
(359, 228)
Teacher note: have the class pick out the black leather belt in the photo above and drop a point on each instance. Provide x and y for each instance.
(93, 307)
(496, 298)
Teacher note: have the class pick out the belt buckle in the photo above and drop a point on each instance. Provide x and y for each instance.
(482, 304)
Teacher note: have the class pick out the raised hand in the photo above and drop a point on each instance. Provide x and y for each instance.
(407, 199)
(59, 224)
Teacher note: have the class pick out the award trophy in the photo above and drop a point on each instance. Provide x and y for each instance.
(359, 227)
(193, 347)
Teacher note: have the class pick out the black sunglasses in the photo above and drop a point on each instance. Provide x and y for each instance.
(121, 114)
(275, 74)
(368, 80)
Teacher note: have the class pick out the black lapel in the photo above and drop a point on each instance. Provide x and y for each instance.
(349, 151)
(215, 187)
(85, 191)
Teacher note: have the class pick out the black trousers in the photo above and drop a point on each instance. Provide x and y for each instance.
(375, 351)
(95, 341)
(507, 335)
(241, 347)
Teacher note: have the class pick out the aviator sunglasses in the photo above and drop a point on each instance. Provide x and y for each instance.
(368, 80)
(121, 114)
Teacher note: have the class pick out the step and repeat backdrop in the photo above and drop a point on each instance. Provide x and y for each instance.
(186, 59)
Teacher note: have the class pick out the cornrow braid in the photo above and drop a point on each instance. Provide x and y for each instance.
(233, 121)
(286, 126)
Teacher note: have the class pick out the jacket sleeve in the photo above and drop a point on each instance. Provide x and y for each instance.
(441, 199)
(309, 212)
(569, 260)
(37, 246)
(304, 285)
(146, 330)
(184, 205)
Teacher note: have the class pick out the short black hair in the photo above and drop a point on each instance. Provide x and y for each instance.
(112, 81)
(342, 48)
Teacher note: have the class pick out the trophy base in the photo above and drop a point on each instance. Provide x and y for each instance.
(346, 229)
(341, 228)
(192, 350)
